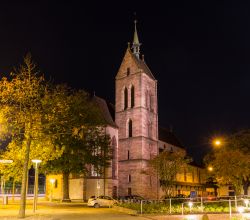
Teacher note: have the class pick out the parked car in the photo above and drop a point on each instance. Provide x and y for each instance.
(101, 201)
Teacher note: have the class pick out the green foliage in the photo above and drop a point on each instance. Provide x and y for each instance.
(231, 162)
(167, 165)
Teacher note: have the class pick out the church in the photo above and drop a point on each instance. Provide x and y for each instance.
(136, 137)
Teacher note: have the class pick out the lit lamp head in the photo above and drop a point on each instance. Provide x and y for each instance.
(240, 209)
(217, 142)
(246, 201)
(36, 161)
(210, 168)
(52, 181)
(190, 204)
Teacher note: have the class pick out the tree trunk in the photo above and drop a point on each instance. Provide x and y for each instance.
(24, 179)
(245, 187)
(66, 187)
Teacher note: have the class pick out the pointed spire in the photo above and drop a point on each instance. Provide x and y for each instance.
(136, 43)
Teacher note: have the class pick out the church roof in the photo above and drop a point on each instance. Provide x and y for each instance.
(107, 110)
(169, 137)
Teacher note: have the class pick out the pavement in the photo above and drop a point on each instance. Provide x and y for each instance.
(79, 211)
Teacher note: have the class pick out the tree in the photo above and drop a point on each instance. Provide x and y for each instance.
(21, 114)
(167, 165)
(82, 138)
(231, 163)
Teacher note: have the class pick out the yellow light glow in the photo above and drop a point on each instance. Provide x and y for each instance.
(52, 181)
(210, 168)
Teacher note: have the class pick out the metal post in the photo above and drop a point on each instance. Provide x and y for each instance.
(235, 200)
(230, 208)
(141, 206)
(182, 211)
(201, 204)
(170, 206)
(35, 188)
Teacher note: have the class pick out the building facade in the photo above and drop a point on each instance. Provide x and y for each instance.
(136, 138)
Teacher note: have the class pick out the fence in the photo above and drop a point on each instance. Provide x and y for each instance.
(17, 190)
(196, 205)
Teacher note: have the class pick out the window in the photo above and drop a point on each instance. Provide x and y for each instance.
(129, 191)
(125, 98)
(132, 96)
(129, 178)
(128, 71)
(128, 155)
(130, 128)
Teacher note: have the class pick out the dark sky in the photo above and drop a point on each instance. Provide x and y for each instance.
(199, 51)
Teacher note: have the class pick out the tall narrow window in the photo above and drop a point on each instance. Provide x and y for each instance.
(132, 96)
(128, 155)
(129, 191)
(130, 128)
(129, 178)
(128, 71)
(125, 98)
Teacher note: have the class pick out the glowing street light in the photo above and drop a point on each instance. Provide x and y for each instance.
(217, 142)
(210, 168)
(190, 204)
(246, 201)
(52, 181)
(36, 183)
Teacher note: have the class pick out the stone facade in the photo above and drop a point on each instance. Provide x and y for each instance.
(138, 142)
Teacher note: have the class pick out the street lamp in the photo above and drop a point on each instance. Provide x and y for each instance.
(36, 183)
(217, 142)
(52, 181)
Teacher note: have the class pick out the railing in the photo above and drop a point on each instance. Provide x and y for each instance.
(30, 190)
(197, 205)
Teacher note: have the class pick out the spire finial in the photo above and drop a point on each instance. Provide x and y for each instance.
(136, 43)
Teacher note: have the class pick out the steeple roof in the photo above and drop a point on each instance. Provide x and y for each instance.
(136, 39)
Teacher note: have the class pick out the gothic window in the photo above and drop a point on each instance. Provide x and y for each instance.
(132, 96)
(128, 71)
(125, 98)
(129, 191)
(114, 158)
(130, 132)
(129, 178)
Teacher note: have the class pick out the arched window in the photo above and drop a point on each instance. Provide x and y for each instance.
(132, 96)
(125, 98)
(130, 128)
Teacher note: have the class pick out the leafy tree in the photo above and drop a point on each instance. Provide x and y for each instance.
(82, 137)
(21, 114)
(231, 163)
(167, 165)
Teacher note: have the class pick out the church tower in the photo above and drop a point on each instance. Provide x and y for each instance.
(136, 115)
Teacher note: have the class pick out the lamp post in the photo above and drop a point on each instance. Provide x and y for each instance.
(52, 181)
(36, 183)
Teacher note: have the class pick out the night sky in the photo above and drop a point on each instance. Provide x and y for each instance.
(199, 51)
